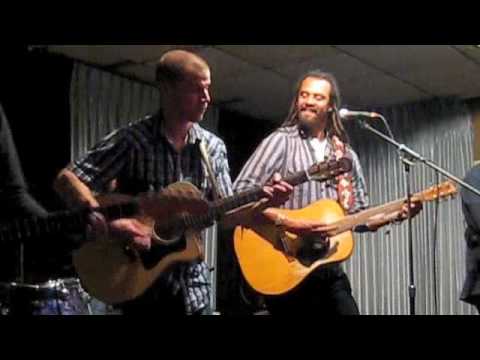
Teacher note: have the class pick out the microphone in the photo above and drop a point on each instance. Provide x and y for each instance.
(346, 114)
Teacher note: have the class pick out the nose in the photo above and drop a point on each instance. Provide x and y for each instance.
(206, 97)
(310, 100)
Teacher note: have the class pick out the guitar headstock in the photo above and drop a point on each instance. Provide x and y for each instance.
(330, 169)
(442, 191)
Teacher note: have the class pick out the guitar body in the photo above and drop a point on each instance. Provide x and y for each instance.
(273, 266)
(113, 273)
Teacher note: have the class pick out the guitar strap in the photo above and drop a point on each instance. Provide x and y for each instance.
(211, 175)
(346, 194)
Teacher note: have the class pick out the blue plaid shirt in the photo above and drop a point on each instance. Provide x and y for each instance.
(141, 159)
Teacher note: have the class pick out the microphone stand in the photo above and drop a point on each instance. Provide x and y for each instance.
(408, 158)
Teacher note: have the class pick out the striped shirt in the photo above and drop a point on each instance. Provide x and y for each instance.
(141, 159)
(288, 151)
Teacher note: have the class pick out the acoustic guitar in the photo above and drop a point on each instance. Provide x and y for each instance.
(275, 262)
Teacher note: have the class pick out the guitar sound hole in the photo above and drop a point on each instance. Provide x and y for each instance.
(128, 251)
(313, 248)
(152, 257)
(168, 235)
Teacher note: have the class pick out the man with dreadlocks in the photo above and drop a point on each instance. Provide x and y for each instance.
(312, 133)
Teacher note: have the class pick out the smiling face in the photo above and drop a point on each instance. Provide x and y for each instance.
(313, 103)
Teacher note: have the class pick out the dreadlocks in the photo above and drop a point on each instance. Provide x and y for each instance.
(334, 124)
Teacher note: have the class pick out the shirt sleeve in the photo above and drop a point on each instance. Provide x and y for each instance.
(104, 162)
(222, 170)
(13, 188)
(266, 160)
(470, 201)
(362, 201)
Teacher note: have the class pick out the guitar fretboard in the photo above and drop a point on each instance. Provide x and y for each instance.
(350, 222)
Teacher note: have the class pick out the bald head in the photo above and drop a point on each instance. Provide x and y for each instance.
(184, 80)
(178, 65)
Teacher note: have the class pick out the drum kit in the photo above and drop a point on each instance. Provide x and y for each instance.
(55, 297)
(48, 296)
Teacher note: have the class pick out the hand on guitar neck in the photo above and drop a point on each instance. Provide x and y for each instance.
(302, 227)
(278, 192)
(377, 222)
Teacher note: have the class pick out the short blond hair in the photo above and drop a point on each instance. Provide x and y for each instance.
(177, 65)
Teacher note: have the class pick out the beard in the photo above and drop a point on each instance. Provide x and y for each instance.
(310, 122)
(311, 119)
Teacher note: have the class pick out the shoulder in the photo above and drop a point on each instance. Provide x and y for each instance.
(291, 131)
(473, 174)
(141, 130)
(208, 137)
(352, 152)
(472, 178)
(282, 134)
(145, 125)
(4, 125)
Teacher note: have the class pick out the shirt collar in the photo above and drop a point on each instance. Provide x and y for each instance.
(195, 134)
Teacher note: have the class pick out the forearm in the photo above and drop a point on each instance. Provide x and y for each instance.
(73, 191)
(18, 202)
(377, 222)
(30, 206)
(252, 215)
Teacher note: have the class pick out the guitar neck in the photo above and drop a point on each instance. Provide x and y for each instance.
(226, 205)
(437, 192)
(60, 222)
(352, 221)
(219, 208)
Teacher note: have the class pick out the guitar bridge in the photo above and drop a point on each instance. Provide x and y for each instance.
(285, 247)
